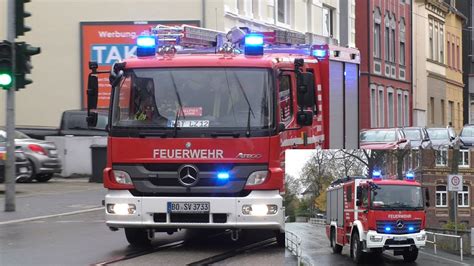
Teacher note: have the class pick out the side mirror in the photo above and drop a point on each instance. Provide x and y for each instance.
(304, 118)
(92, 92)
(92, 119)
(305, 90)
(281, 127)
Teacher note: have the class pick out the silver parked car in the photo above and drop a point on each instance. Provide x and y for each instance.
(419, 137)
(443, 137)
(42, 155)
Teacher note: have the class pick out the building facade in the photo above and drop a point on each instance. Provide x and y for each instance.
(434, 172)
(437, 83)
(467, 9)
(384, 30)
(56, 29)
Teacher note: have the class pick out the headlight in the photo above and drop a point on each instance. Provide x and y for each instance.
(376, 238)
(122, 177)
(259, 209)
(121, 208)
(257, 178)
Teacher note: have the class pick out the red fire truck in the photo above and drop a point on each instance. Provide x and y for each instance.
(373, 215)
(199, 121)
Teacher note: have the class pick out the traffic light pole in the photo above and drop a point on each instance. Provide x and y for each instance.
(10, 119)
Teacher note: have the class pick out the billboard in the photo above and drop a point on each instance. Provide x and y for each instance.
(108, 42)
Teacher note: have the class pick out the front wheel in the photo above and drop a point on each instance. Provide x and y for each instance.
(410, 255)
(356, 248)
(42, 178)
(137, 237)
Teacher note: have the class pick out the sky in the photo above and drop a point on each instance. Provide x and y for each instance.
(295, 160)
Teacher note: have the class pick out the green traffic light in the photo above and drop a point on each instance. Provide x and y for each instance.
(5, 80)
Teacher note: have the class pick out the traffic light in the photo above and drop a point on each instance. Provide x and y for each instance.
(23, 55)
(6, 65)
(20, 16)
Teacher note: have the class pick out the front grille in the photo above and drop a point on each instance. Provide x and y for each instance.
(189, 217)
(219, 218)
(136, 193)
(173, 182)
(173, 167)
(399, 242)
(159, 217)
(416, 224)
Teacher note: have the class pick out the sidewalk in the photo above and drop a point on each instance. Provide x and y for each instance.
(57, 196)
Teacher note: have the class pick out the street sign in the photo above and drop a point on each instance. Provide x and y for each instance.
(454, 182)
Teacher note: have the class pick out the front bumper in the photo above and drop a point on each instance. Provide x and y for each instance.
(146, 207)
(388, 241)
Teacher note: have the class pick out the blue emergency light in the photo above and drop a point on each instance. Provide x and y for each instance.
(253, 44)
(410, 176)
(376, 174)
(388, 229)
(146, 46)
(319, 53)
(411, 229)
(223, 175)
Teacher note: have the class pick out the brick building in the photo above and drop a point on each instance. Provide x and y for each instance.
(433, 174)
(384, 30)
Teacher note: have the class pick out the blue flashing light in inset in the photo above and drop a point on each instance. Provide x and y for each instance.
(254, 44)
(410, 176)
(319, 53)
(411, 229)
(146, 46)
(376, 174)
(223, 175)
(388, 229)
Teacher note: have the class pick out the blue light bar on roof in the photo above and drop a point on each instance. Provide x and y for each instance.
(253, 44)
(319, 53)
(146, 46)
(410, 176)
(376, 174)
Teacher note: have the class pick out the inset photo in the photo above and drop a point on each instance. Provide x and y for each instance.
(345, 207)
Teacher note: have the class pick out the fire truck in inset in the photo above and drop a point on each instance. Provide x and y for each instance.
(373, 215)
(199, 121)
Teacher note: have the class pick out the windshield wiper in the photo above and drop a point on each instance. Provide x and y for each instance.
(180, 106)
(247, 133)
(152, 134)
(225, 134)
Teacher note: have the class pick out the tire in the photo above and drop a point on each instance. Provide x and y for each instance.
(42, 178)
(32, 175)
(356, 248)
(280, 239)
(137, 237)
(410, 256)
(336, 248)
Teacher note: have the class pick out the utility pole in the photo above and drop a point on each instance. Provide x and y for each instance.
(10, 119)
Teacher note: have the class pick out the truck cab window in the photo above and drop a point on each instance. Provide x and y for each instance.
(364, 197)
(286, 102)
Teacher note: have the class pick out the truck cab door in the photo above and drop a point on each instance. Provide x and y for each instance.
(362, 203)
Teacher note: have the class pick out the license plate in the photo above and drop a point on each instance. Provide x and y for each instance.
(188, 207)
(190, 123)
(23, 170)
(399, 238)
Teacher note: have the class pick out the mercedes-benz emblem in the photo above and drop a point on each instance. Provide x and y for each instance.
(187, 145)
(188, 175)
(400, 224)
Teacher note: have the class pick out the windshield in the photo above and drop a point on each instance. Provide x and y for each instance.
(467, 132)
(438, 134)
(378, 136)
(396, 197)
(412, 134)
(18, 135)
(205, 98)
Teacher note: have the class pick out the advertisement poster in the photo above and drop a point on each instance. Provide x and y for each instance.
(108, 42)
